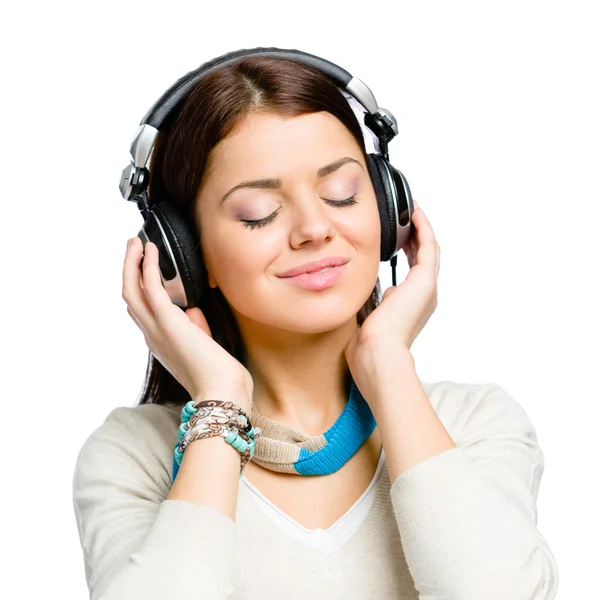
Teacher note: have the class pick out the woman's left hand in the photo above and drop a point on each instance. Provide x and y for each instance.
(404, 310)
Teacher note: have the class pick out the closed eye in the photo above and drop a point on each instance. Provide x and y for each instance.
(253, 224)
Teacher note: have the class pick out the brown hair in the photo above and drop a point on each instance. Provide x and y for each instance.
(209, 114)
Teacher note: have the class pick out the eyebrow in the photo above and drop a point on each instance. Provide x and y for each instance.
(277, 183)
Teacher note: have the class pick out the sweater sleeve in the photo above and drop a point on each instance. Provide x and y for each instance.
(467, 517)
(137, 544)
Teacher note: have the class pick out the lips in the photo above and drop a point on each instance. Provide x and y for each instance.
(311, 267)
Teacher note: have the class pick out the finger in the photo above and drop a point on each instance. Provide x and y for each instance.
(133, 293)
(426, 242)
(156, 295)
(408, 248)
(134, 318)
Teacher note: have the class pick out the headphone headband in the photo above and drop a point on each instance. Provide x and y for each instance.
(177, 92)
(135, 176)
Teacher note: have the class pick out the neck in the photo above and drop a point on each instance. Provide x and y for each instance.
(300, 380)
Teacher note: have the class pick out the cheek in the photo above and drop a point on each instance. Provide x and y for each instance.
(365, 230)
(374, 227)
(234, 260)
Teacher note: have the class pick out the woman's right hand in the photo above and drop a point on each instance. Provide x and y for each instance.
(180, 340)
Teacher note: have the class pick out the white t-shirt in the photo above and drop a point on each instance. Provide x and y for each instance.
(326, 540)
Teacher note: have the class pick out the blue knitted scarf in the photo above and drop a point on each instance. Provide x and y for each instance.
(284, 449)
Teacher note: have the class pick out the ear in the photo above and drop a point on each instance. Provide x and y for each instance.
(211, 282)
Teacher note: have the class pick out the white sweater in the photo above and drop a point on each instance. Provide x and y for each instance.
(461, 525)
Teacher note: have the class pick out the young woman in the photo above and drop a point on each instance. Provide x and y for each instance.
(353, 479)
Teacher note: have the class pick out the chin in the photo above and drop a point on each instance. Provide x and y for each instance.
(314, 319)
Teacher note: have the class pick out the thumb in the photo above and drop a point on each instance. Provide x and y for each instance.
(196, 316)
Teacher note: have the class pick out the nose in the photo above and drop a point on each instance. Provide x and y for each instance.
(310, 221)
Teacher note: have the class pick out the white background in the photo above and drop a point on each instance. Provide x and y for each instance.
(497, 105)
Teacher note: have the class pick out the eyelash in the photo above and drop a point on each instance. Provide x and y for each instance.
(262, 222)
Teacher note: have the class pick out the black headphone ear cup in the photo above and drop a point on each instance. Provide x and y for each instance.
(185, 283)
(395, 205)
(384, 196)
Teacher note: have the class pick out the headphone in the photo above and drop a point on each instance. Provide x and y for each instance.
(181, 268)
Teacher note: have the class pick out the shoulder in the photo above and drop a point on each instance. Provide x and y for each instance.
(131, 441)
(494, 432)
(475, 409)
(143, 425)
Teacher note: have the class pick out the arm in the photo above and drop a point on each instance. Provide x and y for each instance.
(137, 543)
(466, 514)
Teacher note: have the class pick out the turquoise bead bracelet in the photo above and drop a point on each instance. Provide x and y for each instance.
(241, 440)
(231, 437)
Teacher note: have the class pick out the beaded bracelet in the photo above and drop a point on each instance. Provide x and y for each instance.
(226, 423)
(205, 417)
(216, 411)
(215, 417)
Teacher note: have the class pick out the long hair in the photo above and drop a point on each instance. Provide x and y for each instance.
(208, 115)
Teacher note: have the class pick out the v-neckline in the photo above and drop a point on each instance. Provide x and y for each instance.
(374, 481)
(325, 563)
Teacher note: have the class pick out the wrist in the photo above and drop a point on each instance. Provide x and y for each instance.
(390, 365)
(235, 394)
(391, 374)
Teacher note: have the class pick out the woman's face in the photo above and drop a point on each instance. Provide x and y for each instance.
(301, 224)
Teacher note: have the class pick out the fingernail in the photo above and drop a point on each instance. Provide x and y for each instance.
(129, 243)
